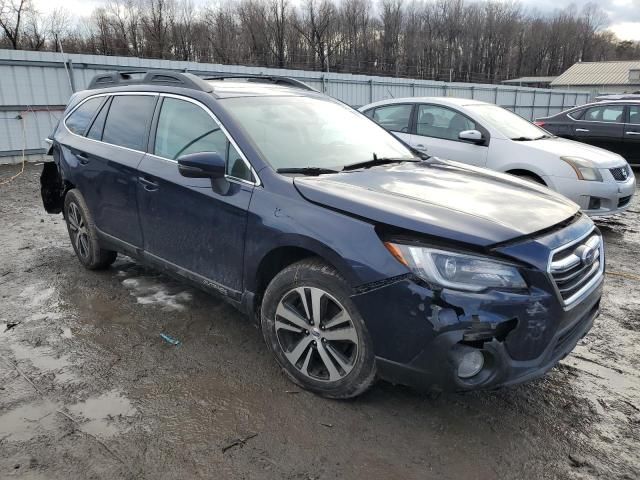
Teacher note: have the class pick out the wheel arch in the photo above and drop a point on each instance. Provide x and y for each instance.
(54, 185)
(277, 258)
(523, 172)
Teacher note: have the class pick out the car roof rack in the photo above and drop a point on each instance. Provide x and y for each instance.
(275, 79)
(151, 77)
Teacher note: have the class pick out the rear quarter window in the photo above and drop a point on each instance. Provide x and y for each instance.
(79, 120)
(128, 121)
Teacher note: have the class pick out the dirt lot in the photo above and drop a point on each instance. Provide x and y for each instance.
(88, 389)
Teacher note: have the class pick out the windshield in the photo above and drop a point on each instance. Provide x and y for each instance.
(508, 123)
(299, 132)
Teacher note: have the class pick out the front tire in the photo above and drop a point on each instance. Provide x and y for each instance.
(83, 234)
(315, 332)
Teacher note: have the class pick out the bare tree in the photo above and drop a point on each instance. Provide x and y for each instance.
(478, 41)
(317, 22)
(12, 14)
(58, 26)
(156, 23)
(35, 31)
(277, 23)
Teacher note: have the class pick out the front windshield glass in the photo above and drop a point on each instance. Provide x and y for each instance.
(508, 123)
(299, 132)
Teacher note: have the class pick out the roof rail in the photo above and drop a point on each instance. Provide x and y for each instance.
(151, 77)
(277, 80)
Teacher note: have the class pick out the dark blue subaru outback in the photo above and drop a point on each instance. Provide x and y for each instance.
(358, 257)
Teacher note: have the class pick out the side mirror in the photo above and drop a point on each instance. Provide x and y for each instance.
(474, 136)
(202, 165)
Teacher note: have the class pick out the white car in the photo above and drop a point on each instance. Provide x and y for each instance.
(485, 135)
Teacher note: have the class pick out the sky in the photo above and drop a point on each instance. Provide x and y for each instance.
(624, 15)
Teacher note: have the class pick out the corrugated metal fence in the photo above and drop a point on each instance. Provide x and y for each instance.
(35, 86)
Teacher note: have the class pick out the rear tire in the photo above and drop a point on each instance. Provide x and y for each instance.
(83, 233)
(315, 332)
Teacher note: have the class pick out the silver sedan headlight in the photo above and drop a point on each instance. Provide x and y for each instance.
(585, 169)
(456, 270)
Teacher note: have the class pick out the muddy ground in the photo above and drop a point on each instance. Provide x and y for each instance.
(88, 389)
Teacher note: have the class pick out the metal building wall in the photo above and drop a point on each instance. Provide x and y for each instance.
(35, 86)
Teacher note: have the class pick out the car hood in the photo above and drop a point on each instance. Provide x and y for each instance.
(561, 147)
(442, 199)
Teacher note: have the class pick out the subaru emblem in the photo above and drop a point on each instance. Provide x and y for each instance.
(587, 255)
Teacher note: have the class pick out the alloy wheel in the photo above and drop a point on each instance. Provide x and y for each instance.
(79, 233)
(316, 334)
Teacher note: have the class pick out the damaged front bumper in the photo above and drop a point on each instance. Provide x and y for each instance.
(418, 333)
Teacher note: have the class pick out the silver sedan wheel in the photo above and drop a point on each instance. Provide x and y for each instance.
(316, 334)
(79, 233)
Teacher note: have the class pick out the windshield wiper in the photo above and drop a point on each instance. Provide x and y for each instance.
(523, 139)
(530, 139)
(378, 161)
(312, 171)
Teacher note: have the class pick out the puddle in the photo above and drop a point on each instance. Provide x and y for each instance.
(99, 415)
(44, 360)
(37, 295)
(28, 421)
(151, 290)
(623, 382)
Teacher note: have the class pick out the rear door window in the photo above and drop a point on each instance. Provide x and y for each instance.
(394, 117)
(605, 113)
(128, 121)
(79, 120)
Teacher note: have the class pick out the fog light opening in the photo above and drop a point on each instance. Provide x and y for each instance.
(594, 203)
(471, 363)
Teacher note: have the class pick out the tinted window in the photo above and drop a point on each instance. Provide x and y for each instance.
(393, 117)
(440, 122)
(95, 132)
(186, 128)
(606, 113)
(79, 120)
(576, 114)
(128, 119)
(634, 114)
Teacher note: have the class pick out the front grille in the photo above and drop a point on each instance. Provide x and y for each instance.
(620, 173)
(623, 201)
(576, 267)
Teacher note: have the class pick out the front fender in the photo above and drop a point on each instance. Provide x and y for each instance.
(350, 244)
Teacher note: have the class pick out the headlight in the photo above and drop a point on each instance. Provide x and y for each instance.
(456, 270)
(585, 169)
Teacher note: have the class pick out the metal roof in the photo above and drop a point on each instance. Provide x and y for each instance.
(530, 80)
(597, 73)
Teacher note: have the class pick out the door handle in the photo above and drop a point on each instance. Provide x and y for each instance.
(633, 133)
(420, 146)
(82, 158)
(148, 185)
(581, 130)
